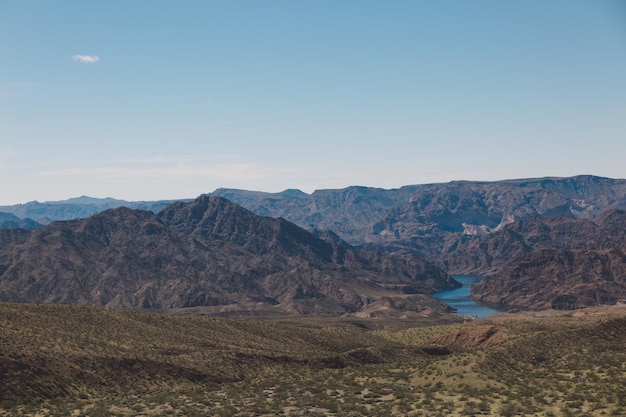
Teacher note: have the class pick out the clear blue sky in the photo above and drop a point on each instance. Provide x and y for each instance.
(170, 99)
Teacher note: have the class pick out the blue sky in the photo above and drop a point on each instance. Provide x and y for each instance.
(145, 100)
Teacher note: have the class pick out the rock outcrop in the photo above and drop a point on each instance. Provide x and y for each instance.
(562, 280)
(492, 252)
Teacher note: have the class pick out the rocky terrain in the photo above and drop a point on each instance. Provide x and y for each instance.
(209, 253)
(490, 253)
(464, 227)
(561, 280)
(429, 220)
(434, 219)
(349, 212)
(542, 263)
(439, 217)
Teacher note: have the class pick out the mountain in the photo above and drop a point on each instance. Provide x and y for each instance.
(350, 212)
(552, 279)
(439, 217)
(76, 208)
(434, 219)
(209, 253)
(542, 263)
(10, 221)
(487, 255)
(429, 220)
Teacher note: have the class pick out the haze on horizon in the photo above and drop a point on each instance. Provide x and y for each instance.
(152, 100)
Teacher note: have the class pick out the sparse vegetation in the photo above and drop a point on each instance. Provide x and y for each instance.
(64, 360)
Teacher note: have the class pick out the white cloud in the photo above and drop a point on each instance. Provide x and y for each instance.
(86, 59)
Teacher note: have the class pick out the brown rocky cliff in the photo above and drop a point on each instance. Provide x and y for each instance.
(520, 238)
(557, 279)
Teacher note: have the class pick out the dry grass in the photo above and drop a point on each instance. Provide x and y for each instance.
(81, 361)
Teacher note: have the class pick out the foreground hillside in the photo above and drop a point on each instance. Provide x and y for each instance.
(62, 360)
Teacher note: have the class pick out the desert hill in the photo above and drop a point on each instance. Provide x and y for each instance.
(63, 360)
(209, 253)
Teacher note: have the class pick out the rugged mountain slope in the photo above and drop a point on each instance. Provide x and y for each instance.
(209, 252)
(438, 217)
(217, 219)
(349, 212)
(558, 279)
(434, 219)
(522, 237)
(428, 220)
(541, 263)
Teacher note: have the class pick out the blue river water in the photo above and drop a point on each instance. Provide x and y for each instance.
(459, 298)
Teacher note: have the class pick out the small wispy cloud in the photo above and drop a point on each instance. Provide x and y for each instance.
(86, 59)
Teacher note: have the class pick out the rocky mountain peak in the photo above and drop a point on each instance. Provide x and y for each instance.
(216, 218)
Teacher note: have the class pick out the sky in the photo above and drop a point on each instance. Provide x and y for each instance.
(150, 100)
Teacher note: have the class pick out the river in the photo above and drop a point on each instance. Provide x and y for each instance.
(460, 300)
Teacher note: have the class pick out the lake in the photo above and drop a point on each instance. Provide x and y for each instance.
(459, 298)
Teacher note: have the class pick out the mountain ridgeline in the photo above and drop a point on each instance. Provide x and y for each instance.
(431, 220)
(323, 252)
(213, 254)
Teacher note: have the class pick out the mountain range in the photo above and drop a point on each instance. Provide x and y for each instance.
(212, 254)
(498, 229)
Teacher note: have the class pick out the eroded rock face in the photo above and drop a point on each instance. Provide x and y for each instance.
(429, 220)
(557, 279)
(209, 252)
(488, 255)
(432, 220)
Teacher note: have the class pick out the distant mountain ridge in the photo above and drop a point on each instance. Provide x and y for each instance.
(440, 216)
(10, 221)
(430, 220)
(76, 208)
